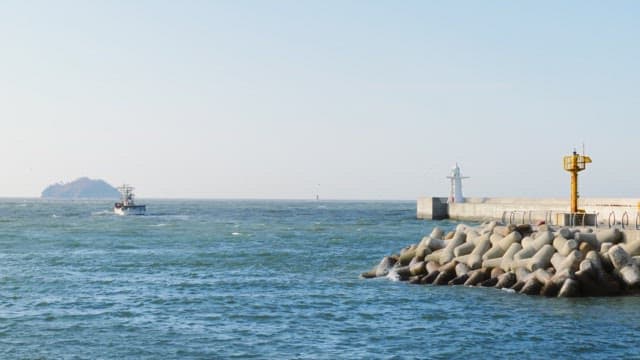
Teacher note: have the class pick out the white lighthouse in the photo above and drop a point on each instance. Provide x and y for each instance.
(455, 195)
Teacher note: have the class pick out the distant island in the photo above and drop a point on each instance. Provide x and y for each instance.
(82, 188)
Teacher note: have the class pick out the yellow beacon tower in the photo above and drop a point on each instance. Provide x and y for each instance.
(574, 164)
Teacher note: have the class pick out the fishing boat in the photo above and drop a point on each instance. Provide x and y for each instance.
(126, 205)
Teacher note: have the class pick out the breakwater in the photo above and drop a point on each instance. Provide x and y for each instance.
(602, 212)
(532, 260)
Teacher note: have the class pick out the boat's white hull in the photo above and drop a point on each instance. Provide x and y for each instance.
(130, 210)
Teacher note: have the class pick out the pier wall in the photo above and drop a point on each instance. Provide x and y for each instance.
(608, 211)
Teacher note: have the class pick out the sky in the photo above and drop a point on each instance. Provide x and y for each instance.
(344, 99)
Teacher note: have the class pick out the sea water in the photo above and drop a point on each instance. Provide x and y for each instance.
(264, 279)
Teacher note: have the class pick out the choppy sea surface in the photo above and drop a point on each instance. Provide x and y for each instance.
(266, 280)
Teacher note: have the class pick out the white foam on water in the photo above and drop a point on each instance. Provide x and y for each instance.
(393, 275)
(236, 233)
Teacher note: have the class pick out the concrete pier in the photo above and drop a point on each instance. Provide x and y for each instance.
(619, 212)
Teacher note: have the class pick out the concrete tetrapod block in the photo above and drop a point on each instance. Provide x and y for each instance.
(424, 240)
(430, 278)
(593, 281)
(619, 257)
(480, 239)
(385, 266)
(382, 269)
(437, 233)
(542, 275)
(369, 274)
(403, 272)
(604, 257)
(547, 234)
(544, 227)
(447, 253)
(524, 229)
(552, 287)
(632, 247)
(493, 277)
(496, 272)
(437, 244)
(500, 248)
(563, 245)
(530, 248)
(625, 266)
(463, 249)
(432, 266)
(475, 258)
(423, 248)
(461, 259)
(570, 288)
(587, 277)
(506, 280)
(461, 269)
(614, 236)
(459, 280)
(596, 260)
(477, 276)
(418, 269)
(585, 247)
(511, 238)
(504, 230)
(568, 247)
(589, 238)
(492, 263)
(446, 273)
(525, 253)
(472, 234)
(495, 252)
(434, 256)
(495, 238)
(407, 254)
(526, 241)
(570, 262)
(488, 228)
(415, 260)
(565, 233)
(522, 276)
(531, 287)
(556, 260)
(542, 258)
(507, 258)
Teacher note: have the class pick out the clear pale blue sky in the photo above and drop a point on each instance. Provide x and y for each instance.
(368, 99)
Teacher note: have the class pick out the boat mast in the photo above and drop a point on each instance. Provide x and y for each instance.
(126, 192)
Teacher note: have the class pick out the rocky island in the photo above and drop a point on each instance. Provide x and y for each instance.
(82, 188)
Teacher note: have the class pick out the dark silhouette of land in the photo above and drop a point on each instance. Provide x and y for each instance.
(82, 188)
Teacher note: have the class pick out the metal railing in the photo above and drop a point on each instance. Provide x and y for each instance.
(613, 213)
(625, 215)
